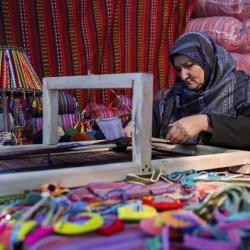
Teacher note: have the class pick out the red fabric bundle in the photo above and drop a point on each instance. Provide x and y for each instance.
(122, 102)
(228, 32)
(235, 8)
(119, 112)
(242, 62)
(246, 48)
(103, 113)
(93, 107)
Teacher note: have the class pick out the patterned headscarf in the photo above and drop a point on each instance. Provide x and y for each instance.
(225, 90)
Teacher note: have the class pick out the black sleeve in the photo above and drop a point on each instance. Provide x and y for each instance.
(156, 120)
(230, 132)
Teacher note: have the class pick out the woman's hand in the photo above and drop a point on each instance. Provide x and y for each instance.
(186, 128)
(128, 129)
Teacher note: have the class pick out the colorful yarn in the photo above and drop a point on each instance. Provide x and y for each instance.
(14, 197)
(37, 234)
(111, 226)
(84, 222)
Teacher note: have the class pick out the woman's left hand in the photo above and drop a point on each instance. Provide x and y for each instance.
(186, 128)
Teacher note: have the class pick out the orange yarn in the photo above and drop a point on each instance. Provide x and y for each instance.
(80, 137)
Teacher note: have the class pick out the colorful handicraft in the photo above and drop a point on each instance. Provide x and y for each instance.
(136, 211)
(16, 72)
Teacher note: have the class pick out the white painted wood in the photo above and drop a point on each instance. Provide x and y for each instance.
(190, 149)
(142, 120)
(93, 81)
(50, 114)
(73, 177)
(70, 177)
(204, 162)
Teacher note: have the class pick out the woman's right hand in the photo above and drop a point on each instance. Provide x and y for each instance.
(186, 128)
(128, 129)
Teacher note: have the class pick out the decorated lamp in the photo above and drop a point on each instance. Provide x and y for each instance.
(16, 76)
(16, 71)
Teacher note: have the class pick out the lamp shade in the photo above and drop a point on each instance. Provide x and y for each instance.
(16, 71)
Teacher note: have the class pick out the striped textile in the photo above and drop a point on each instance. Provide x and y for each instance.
(64, 160)
(72, 37)
(66, 121)
(100, 189)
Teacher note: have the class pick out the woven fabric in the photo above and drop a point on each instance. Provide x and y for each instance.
(100, 189)
(66, 121)
(246, 47)
(69, 37)
(67, 103)
(236, 8)
(228, 32)
(64, 160)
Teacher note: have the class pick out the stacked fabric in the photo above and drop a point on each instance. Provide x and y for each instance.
(67, 117)
(228, 24)
(121, 106)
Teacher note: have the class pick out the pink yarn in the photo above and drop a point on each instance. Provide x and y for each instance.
(37, 234)
(2, 228)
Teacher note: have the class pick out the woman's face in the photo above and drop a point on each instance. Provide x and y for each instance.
(189, 71)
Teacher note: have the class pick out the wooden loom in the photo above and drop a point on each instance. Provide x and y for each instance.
(202, 157)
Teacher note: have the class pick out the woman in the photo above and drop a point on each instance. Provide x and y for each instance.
(210, 102)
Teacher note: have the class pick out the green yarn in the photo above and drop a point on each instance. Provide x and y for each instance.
(72, 131)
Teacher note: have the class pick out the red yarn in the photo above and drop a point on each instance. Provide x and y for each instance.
(115, 227)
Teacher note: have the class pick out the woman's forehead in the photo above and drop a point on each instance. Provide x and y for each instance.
(181, 59)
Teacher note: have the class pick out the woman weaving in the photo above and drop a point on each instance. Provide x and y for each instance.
(211, 101)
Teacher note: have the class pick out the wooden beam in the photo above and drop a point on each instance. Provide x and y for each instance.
(71, 177)
(50, 114)
(203, 162)
(142, 85)
(190, 149)
(12, 183)
(108, 81)
(142, 121)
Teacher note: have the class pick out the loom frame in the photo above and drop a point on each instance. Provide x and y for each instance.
(206, 157)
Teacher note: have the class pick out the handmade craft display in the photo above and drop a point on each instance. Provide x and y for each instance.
(18, 80)
(100, 215)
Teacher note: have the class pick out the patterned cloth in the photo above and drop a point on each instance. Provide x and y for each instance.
(69, 37)
(228, 32)
(236, 8)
